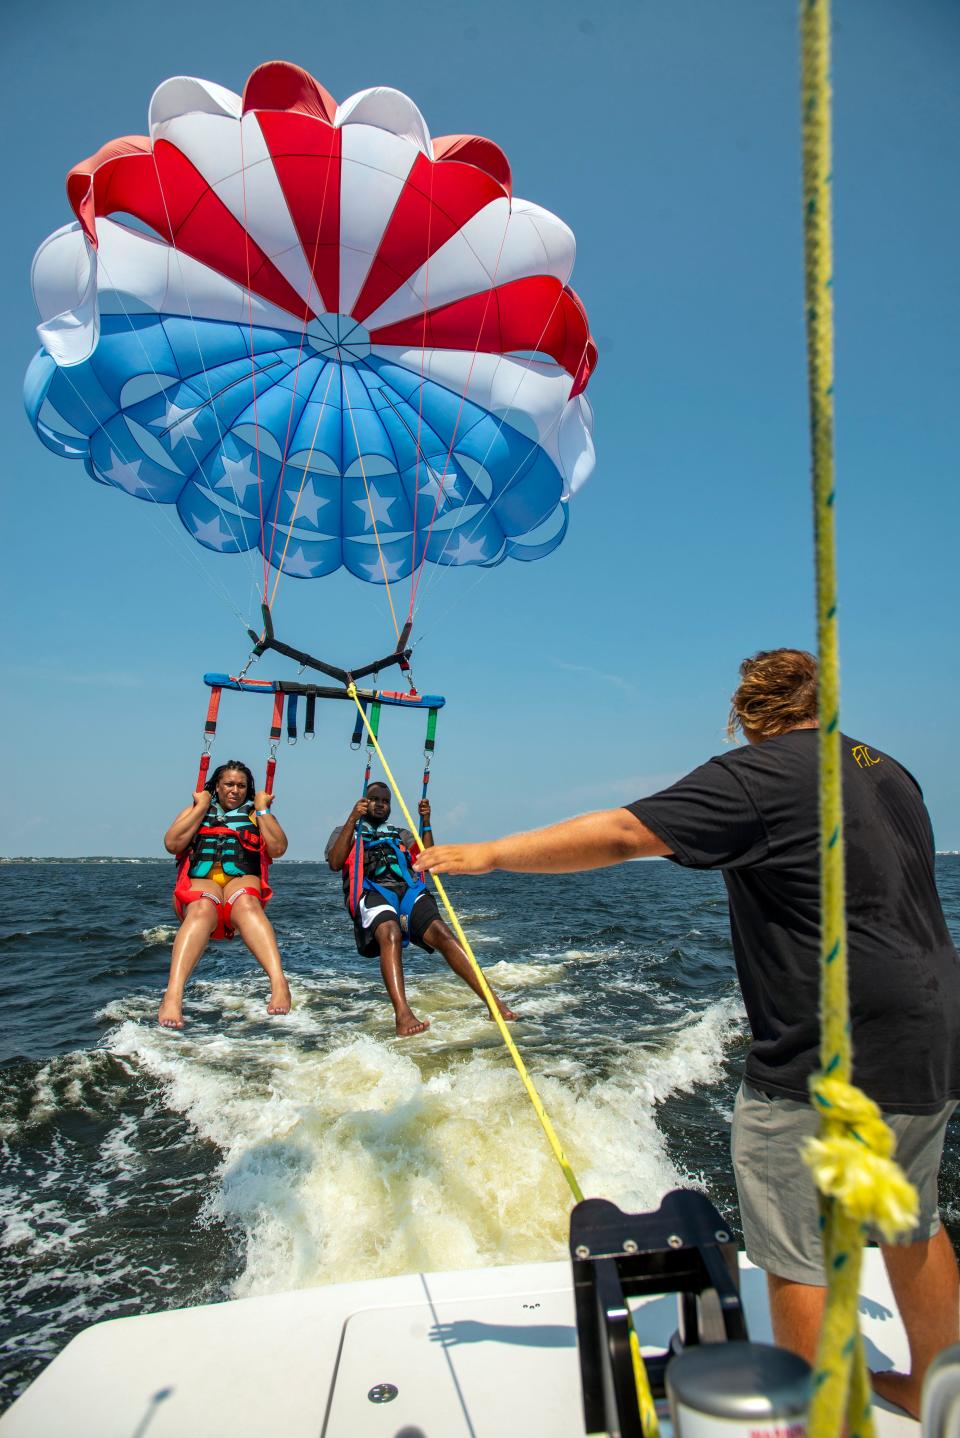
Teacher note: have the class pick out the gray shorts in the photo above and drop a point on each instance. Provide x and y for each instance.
(778, 1199)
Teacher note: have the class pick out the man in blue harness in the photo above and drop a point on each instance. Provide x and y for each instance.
(390, 904)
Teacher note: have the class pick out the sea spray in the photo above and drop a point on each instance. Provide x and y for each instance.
(374, 1158)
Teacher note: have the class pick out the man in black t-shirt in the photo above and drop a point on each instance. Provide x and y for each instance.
(752, 813)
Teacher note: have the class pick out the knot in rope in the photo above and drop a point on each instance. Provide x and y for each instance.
(853, 1162)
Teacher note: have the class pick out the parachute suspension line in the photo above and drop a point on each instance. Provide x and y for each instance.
(311, 287)
(415, 579)
(373, 517)
(168, 533)
(497, 432)
(858, 1182)
(521, 1067)
(306, 471)
(196, 337)
(429, 744)
(253, 371)
(423, 341)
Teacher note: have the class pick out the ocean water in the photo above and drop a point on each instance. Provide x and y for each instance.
(143, 1169)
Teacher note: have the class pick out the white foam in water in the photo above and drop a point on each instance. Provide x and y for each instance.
(160, 934)
(348, 1154)
(694, 1054)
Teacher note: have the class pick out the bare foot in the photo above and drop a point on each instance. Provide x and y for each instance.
(408, 1024)
(280, 1001)
(170, 1015)
(898, 1388)
(506, 1014)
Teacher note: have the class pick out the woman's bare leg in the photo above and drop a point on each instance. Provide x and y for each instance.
(250, 921)
(199, 922)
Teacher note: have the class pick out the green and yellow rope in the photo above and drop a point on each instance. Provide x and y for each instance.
(851, 1160)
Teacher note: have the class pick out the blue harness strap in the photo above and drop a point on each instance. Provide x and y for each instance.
(402, 904)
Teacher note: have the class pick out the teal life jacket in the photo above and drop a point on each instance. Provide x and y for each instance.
(380, 861)
(228, 839)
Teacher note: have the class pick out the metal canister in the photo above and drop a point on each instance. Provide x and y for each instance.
(940, 1407)
(738, 1390)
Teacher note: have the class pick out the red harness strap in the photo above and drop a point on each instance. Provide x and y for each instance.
(184, 893)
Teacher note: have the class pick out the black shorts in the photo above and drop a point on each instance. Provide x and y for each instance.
(374, 910)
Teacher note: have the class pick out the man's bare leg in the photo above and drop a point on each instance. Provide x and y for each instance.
(439, 937)
(925, 1284)
(391, 967)
(255, 929)
(796, 1313)
(199, 922)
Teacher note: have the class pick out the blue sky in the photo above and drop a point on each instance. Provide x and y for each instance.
(666, 134)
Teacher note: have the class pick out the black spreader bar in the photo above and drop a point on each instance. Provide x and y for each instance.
(268, 640)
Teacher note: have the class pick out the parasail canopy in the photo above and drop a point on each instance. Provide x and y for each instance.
(317, 332)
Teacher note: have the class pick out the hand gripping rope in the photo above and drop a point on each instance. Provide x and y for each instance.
(858, 1182)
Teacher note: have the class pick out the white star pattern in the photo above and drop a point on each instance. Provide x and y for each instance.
(212, 534)
(440, 490)
(126, 476)
(309, 504)
(238, 476)
(297, 562)
(380, 506)
(468, 550)
(179, 419)
(376, 569)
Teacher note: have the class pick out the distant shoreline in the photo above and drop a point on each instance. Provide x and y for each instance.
(166, 859)
(117, 859)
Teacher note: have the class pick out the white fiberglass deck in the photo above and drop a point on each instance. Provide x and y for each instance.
(485, 1353)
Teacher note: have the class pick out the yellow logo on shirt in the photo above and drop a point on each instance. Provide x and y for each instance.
(863, 756)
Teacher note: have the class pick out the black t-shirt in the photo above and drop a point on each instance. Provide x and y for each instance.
(753, 814)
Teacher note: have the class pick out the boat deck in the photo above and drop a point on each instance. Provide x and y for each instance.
(485, 1353)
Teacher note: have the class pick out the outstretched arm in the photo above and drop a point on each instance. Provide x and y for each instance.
(184, 827)
(591, 841)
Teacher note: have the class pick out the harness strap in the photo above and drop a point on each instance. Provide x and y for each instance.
(429, 744)
(360, 882)
(209, 730)
(402, 905)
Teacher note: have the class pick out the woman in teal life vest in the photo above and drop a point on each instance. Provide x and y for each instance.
(224, 843)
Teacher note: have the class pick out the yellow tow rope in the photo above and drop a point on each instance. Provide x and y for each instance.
(495, 1014)
(648, 1412)
(851, 1163)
